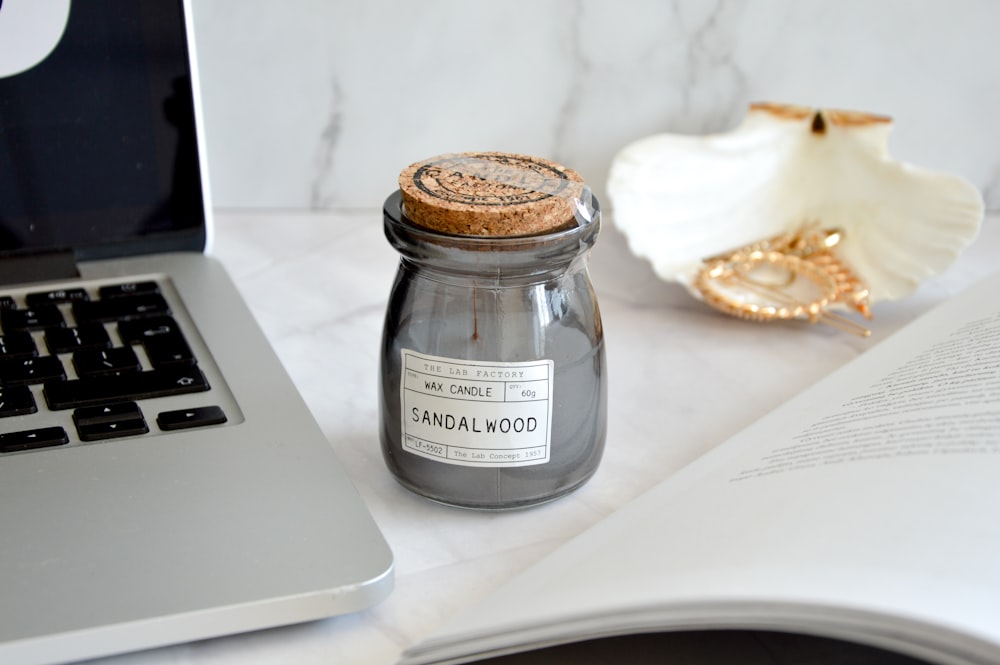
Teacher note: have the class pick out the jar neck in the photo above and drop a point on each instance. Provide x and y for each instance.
(516, 258)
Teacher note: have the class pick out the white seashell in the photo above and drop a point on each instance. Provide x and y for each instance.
(680, 199)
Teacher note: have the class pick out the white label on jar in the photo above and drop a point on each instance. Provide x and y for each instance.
(476, 413)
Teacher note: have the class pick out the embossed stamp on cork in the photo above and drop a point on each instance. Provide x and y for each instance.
(493, 381)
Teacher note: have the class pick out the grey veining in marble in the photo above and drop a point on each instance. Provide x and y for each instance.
(320, 103)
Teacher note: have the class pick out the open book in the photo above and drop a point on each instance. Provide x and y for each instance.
(867, 510)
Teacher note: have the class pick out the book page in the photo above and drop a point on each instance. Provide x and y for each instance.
(863, 509)
(943, 401)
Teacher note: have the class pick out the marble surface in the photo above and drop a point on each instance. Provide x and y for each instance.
(319, 103)
(682, 379)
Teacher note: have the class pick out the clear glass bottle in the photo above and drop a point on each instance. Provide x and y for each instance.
(493, 376)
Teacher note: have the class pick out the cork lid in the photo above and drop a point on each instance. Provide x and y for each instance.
(491, 194)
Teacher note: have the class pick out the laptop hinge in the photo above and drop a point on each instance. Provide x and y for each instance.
(38, 267)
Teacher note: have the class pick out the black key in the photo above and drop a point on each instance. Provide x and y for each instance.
(32, 318)
(86, 336)
(7, 302)
(16, 401)
(109, 422)
(109, 413)
(30, 439)
(197, 417)
(166, 351)
(55, 297)
(121, 308)
(140, 385)
(99, 431)
(18, 344)
(15, 372)
(140, 330)
(128, 289)
(162, 339)
(97, 362)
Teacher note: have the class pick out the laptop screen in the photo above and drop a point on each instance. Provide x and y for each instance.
(97, 129)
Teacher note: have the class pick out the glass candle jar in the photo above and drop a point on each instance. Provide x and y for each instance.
(493, 382)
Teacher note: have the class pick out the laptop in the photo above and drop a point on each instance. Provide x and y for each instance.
(161, 481)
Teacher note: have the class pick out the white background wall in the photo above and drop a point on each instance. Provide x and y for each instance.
(320, 103)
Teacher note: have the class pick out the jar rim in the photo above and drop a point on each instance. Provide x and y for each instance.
(395, 216)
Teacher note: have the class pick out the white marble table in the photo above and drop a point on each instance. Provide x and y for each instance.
(682, 379)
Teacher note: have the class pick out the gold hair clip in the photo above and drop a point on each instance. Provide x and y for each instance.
(790, 276)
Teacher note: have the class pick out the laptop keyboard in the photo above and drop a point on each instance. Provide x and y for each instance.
(92, 364)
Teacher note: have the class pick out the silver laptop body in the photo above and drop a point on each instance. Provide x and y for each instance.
(129, 542)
